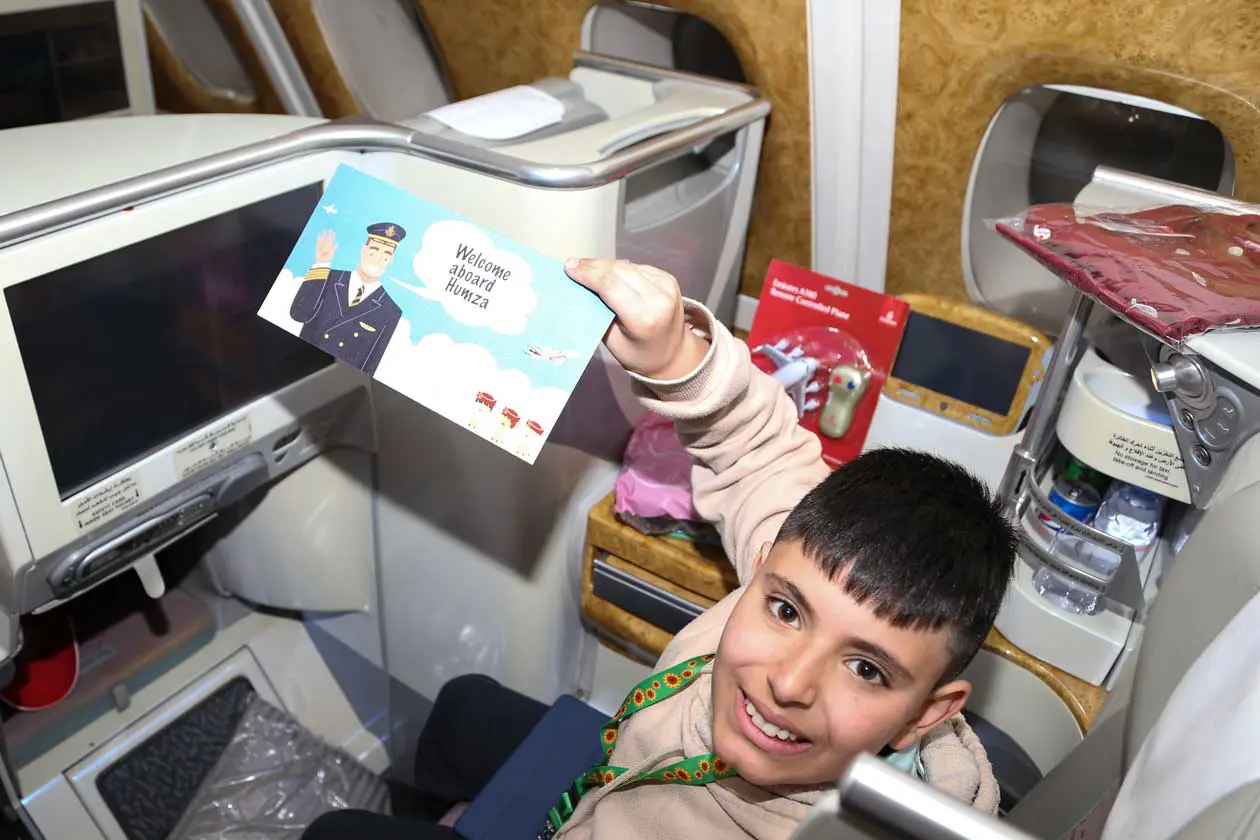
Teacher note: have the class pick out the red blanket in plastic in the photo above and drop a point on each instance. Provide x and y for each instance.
(1174, 271)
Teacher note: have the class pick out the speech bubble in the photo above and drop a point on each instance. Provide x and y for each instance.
(477, 283)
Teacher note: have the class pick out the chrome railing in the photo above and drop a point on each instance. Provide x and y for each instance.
(355, 134)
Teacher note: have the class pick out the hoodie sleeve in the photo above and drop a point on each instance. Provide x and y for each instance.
(955, 763)
(753, 461)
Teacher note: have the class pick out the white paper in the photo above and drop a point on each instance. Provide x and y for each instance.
(1205, 743)
(502, 115)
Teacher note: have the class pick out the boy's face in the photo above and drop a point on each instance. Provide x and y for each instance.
(814, 663)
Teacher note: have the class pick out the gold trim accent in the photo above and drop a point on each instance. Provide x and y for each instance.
(972, 317)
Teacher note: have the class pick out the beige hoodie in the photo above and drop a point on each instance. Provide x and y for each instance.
(753, 464)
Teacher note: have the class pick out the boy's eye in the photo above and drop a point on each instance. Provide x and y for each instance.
(784, 611)
(866, 671)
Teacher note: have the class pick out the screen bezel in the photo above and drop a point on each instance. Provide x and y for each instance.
(994, 325)
(48, 521)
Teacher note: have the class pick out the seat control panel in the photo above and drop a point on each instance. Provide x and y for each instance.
(147, 532)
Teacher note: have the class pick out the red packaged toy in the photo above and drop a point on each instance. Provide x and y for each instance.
(831, 345)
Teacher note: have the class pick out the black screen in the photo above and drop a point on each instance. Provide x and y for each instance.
(968, 366)
(129, 350)
(60, 64)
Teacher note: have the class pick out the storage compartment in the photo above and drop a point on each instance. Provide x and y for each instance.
(125, 641)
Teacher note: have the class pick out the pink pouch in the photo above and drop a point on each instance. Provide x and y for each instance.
(655, 479)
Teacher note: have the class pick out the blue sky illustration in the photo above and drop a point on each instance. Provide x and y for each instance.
(568, 316)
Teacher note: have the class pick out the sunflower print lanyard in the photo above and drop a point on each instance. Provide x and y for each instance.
(697, 770)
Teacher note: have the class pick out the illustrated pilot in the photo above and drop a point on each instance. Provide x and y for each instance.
(348, 314)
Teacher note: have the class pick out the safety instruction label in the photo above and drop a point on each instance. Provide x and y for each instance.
(213, 445)
(100, 505)
(1160, 465)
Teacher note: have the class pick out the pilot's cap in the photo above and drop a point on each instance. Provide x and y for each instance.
(387, 233)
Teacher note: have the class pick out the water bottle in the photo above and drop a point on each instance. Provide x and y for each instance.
(1128, 513)
(1131, 514)
(1080, 501)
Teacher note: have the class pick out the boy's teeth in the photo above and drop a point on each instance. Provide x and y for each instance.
(766, 726)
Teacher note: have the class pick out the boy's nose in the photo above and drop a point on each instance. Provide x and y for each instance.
(793, 680)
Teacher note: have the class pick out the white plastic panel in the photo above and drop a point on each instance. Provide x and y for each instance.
(1016, 701)
(383, 57)
(1118, 425)
(307, 543)
(58, 812)
(1086, 646)
(898, 424)
(307, 689)
(115, 155)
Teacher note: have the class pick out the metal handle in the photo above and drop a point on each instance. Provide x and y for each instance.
(1039, 434)
(885, 803)
(357, 134)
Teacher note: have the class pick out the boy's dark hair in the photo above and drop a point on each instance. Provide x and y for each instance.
(918, 536)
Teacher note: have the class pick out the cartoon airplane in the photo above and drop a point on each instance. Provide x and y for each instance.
(793, 370)
(330, 209)
(549, 354)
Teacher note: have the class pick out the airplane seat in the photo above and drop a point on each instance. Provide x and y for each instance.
(370, 57)
(195, 68)
(1216, 574)
(256, 36)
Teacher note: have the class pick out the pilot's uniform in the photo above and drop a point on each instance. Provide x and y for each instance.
(341, 316)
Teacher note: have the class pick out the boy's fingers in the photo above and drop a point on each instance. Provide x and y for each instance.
(662, 280)
(607, 279)
(600, 277)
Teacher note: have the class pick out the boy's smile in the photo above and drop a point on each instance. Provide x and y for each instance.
(806, 677)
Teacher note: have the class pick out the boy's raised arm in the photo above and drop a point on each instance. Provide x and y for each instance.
(753, 460)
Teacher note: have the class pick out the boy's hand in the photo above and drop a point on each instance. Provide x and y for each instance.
(649, 336)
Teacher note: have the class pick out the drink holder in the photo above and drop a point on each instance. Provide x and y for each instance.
(1020, 492)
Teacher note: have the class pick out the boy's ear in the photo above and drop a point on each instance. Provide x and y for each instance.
(762, 554)
(943, 703)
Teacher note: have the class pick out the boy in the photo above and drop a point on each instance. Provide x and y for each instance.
(864, 593)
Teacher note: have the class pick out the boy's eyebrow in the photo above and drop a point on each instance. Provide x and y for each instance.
(797, 596)
(876, 652)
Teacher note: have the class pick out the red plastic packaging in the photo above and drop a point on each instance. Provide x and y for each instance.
(1175, 271)
(831, 344)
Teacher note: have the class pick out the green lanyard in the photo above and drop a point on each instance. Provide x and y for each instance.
(698, 770)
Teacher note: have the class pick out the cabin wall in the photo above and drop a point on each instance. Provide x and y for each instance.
(960, 59)
(492, 44)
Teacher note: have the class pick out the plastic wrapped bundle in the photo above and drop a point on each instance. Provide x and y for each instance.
(653, 490)
(273, 780)
(1175, 271)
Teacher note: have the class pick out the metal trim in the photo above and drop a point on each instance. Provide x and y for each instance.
(359, 134)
